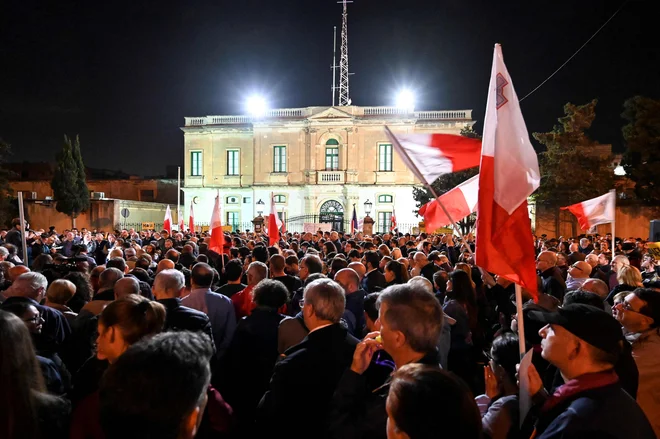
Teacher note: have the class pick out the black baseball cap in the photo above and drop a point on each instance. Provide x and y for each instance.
(593, 325)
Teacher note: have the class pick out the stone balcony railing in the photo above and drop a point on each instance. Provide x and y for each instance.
(359, 112)
(330, 177)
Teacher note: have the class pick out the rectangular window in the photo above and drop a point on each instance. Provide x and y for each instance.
(384, 221)
(385, 157)
(331, 159)
(279, 159)
(232, 220)
(282, 216)
(233, 162)
(196, 163)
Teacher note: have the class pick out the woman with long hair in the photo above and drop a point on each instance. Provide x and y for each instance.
(26, 410)
(122, 323)
(395, 273)
(83, 291)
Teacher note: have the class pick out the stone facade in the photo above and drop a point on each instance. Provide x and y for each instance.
(312, 159)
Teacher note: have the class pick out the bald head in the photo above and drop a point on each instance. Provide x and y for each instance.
(348, 279)
(359, 268)
(202, 275)
(109, 278)
(126, 286)
(169, 284)
(596, 286)
(573, 248)
(592, 260)
(420, 259)
(14, 272)
(580, 270)
(549, 257)
(165, 264)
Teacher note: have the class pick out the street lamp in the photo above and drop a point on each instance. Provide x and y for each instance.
(405, 99)
(367, 207)
(256, 105)
(260, 207)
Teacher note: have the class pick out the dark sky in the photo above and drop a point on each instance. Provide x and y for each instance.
(124, 74)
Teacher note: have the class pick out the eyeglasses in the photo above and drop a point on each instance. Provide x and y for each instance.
(576, 266)
(301, 303)
(626, 307)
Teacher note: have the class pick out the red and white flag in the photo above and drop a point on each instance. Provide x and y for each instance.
(191, 219)
(182, 224)
(217, 235)
(599, 210)
(167, 222)
(432, 155)
(393, 220)
(460, 202)
(274, 223)
(509, 174)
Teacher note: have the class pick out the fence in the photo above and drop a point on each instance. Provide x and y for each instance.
(199, 226)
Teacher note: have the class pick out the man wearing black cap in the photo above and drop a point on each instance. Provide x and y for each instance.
(630, 250)
(584, 343)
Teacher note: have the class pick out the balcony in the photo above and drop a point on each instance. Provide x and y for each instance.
(330, 177)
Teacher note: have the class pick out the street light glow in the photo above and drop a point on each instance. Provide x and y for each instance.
(405, 99)
(256, 106)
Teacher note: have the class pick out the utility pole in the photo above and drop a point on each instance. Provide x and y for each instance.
(344, 98)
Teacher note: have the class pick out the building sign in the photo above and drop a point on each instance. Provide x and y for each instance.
(226, 228)
(315, 227)
(654, 250)
(148, 226)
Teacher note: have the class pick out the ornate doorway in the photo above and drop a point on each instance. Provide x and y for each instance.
(332, 212)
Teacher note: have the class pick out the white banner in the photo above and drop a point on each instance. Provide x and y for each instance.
(315, 227)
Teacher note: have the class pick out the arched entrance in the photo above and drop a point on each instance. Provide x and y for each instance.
(332, 212)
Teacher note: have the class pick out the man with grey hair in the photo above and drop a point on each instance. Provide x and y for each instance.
(168, 287)
(411, 322)
(618, 262)
(3, 253)
(243, 303)
(30, 288)
(310, 370)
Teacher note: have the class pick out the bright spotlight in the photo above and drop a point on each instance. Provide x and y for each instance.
(256, 106)
(405, 99)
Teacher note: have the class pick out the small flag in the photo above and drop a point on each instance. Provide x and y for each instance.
(599, 210)
(167, 222)
(191, 219)
(354, 221)
(217, 235)
(274, 223)
(460, 202)
(393, 220)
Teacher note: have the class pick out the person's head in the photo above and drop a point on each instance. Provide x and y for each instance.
(256, 272)
(124, 322)
(20, 379)
(592, 260)
(586, 297)
(371, 312)
(109, 278)
(202, 275)
(140, 398)
(271, 294)
(371, 260)
(126, 286)
(348, 279)
(596, 286)
(169, 284)
(234, 270)
(324, 302)
(411, 320)
(310, 264)
(562, 259)
(629, 275)
(277, 263)
(396, 272)
(440, 279)
(584, 242)
(620, 261)
(639, 311)
(580, 270)
(15, 271)
(60, 291)
(422, 283)
(165, 264)
(338, 263)
(546, 260)
(28, 313)
(504, 356)
(31, 285)
(573, 247)
(41, 261)
(118, 263)
(420, 259)
(459, 287)
(579, 339)
(424, 398)
(359, 268)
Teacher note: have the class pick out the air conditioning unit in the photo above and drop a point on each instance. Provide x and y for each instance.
(98, 195)
(33, 195)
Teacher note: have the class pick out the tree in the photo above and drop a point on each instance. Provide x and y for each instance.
(69, 183)
(641, 159)
(447, 182)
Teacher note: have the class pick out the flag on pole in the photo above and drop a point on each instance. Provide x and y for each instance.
(432, 155)
(274, 223)
(354, 221)
(509, 174)
(599, 210)
(460, 202)
(283, 227)
(393, 220)
(182, 224)
(217, 235)
(191, 219)
(167, 222)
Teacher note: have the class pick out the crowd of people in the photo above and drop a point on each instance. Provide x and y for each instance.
(329, 335)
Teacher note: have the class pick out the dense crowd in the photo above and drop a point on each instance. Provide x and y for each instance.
(328, 335)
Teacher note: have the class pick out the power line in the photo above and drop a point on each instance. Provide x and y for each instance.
(576, 52)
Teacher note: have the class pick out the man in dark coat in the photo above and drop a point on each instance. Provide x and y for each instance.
(306, 377)
(354, 313)
(552, 282)
(374, 280)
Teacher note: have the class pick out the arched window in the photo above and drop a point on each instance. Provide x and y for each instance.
(331, 155)
(279, 198)
(385, 198)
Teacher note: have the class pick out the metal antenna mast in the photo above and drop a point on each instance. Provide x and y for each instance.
(334, 65)
(344, 98)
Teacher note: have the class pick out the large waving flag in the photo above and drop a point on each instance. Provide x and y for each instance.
(354, 221)
(217, 235)
(431, 155)
(599, 210)
(167, 222)
(274, 223)
(509, 174)
(459, 202)
(191, 219)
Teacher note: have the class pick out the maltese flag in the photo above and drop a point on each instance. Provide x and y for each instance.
(459, 202)
(599, 210)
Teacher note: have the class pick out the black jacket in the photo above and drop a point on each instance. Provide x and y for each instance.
(429, 270)
(374, 281)
(303, 383)
(358, 412)
(182, 318)
(552, 283)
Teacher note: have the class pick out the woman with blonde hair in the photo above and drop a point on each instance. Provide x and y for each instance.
(384, 250)
(629, 279)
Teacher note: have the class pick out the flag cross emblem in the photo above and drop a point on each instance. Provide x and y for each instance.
(500, 98)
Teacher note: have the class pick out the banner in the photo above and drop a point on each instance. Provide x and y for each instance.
(226, 228)
(148, 226)
(654, 250)
(315, 227)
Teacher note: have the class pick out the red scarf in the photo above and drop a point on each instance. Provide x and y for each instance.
(580, 384)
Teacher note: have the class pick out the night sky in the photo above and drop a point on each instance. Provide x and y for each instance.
(124, 74)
